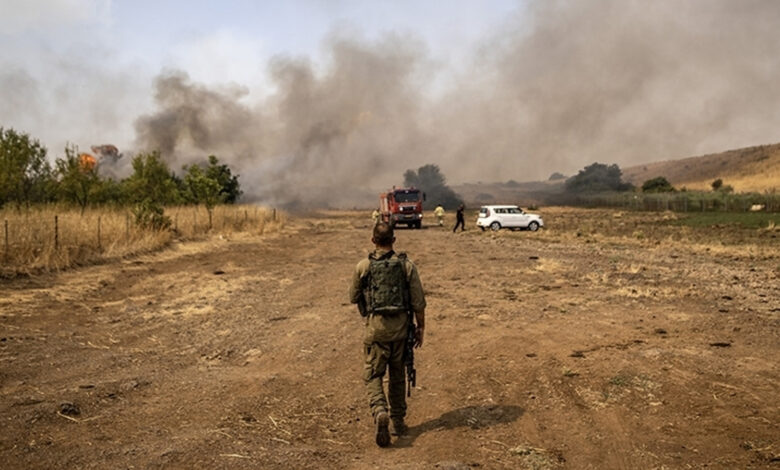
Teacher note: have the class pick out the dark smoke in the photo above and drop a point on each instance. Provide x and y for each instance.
(562, 85)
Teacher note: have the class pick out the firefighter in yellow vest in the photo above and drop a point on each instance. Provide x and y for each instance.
(375, 216)
(439, 212)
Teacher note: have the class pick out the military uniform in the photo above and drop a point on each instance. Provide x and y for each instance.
(384, 340)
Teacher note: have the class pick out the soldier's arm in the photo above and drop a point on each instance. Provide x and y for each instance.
(354, 287)
(418, 303)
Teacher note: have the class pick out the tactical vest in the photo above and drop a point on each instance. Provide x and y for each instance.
(386, 286)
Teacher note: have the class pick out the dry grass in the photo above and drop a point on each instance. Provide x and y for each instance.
(752, 169)
(50, 238)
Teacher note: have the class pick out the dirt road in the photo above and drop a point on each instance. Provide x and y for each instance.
(544, 350)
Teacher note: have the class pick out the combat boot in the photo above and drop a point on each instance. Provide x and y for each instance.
(399, 427)
(382, 433)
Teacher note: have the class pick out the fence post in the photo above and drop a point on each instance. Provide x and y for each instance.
(5, 252)
(100, 245)
(274, 219)
(56, 233)
(127, 227)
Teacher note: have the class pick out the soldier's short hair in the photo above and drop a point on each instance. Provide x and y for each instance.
(383, 234)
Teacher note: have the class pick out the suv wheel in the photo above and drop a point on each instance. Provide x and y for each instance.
(495, 226)
(533, 226)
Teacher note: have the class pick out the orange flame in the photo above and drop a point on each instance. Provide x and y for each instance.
(87, 162)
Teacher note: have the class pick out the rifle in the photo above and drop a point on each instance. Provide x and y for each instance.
(411, 373)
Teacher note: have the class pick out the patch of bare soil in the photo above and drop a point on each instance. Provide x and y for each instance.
(585, 345)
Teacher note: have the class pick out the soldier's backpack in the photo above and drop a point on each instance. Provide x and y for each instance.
(387, 288)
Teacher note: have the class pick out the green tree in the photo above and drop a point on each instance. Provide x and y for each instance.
(108, 191)
(76, 182)
(717, 184)
(430, 179)
(657, 185)
(152, 180)
(229, 188)
(151, 185)
(597, 177)
(25, 173)
(201, 189)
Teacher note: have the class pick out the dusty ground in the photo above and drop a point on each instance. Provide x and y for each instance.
(605, 341)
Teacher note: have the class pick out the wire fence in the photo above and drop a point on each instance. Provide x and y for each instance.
(53, 237)
(682, 202)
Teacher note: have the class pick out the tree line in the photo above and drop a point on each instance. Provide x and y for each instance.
(27, 177)
(599, 177)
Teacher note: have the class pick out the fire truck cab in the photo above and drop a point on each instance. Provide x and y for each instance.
(402, 206)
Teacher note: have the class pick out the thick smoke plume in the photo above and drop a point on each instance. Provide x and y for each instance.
(562, 85)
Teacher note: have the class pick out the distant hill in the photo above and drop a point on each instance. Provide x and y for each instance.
(751, 169)
(748, 169)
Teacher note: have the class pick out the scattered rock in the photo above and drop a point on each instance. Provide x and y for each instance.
(530, 355)
(533, 257)
(219, 272)
(659, 331)
(727, 297)
(86, 386)
(723, 310)
(720, 344)
(69, 409)
(577, 354)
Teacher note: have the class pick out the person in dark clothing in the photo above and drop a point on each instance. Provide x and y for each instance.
(461, 221)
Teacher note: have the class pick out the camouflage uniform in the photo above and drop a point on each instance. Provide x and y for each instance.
(383, 343)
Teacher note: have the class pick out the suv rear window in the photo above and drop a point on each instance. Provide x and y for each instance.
(484, 212)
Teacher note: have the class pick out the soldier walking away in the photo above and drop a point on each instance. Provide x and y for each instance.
(461, 221)
(387, 289)
(439, 212)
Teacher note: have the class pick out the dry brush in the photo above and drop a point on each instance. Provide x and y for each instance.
(50, 238)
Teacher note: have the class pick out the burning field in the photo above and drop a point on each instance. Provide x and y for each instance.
(607, 340)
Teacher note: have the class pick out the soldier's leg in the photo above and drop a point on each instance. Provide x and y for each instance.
(376, 358)
(397, 383)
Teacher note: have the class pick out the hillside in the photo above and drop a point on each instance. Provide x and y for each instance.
(748, 169)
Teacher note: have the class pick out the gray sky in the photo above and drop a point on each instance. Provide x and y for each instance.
(83, 70)
(319, 94)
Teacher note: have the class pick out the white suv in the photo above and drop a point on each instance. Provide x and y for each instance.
(498, 217)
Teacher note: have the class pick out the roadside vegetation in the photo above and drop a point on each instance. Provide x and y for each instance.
(69, 213)
(600, 185)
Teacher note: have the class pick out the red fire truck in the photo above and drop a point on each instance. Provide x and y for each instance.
(402, 206)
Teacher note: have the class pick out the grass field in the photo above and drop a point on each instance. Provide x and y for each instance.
(48, 238)
(746, 220)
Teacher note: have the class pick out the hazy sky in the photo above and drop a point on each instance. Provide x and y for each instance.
(83, 70)
(304, 96)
